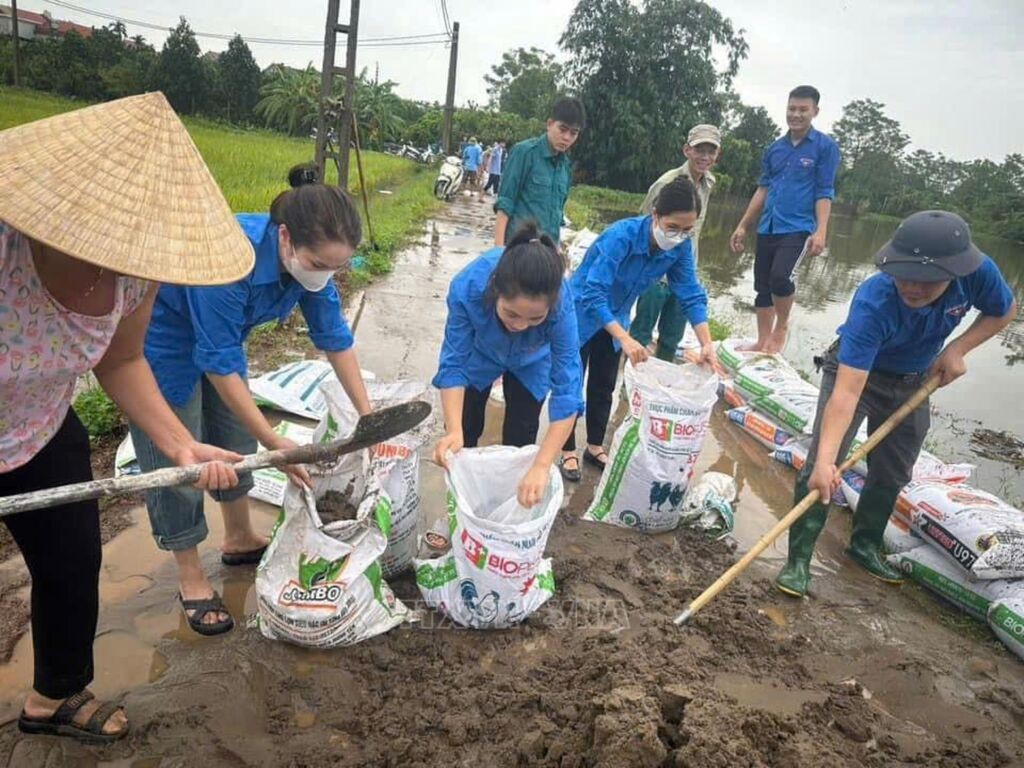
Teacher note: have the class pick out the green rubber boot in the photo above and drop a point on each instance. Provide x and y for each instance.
(795, 576)
(873, 510)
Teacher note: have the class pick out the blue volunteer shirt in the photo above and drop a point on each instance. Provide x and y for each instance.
(796, 178)
(497, 157)
(478, 348)
(202, 329)
(471, 156)
(621, 265)
(882, 333)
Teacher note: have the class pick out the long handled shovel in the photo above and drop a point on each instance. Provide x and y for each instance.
(765, 541)
(371, 429)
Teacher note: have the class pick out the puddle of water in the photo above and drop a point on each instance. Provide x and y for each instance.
(766, 696)
(139, 609)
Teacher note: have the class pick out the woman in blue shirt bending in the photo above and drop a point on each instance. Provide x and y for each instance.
(195, 348)
(626, 260)
(511, 314)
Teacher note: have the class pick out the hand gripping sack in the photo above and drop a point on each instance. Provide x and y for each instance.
(321, 585)
(395, 463)
(495, 574)
(656, 447)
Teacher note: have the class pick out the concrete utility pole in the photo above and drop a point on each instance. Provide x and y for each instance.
(328, 107)
(449, 99)
(14, 42)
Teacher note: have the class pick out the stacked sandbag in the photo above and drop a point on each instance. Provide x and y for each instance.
(654, 450)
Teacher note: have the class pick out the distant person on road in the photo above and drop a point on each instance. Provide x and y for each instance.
(623, 262)
(659, 305)
(471, 156)
(793, 200)
(196, 347)
(894, 338)
(495, 160)
(511, 314)
(536, 180)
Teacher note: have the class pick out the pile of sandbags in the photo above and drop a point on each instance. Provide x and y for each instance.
(961, 543)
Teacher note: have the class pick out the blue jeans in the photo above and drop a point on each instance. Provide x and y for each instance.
(176, 514)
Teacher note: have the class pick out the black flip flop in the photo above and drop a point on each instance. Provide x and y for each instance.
(62, 722)
(243, 558)
(594, 460)
(199, 610)
(572, 475)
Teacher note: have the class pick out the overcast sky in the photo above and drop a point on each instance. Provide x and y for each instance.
(950, 71)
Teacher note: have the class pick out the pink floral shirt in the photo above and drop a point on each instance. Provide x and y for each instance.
(44, 348)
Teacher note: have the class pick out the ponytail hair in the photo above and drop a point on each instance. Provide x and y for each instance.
(314, 212)
(530, 266)
(678, 196)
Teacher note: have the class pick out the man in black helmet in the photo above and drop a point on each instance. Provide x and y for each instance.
(931, 276)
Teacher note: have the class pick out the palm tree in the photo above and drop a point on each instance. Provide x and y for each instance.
(378, 110)
(290, 99)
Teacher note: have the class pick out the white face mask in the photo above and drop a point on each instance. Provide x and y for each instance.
(666, 241)
(311, 279)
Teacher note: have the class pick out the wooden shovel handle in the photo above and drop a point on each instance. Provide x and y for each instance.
(791, 517)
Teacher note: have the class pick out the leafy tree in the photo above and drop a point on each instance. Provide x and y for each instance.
(646, 74)
(239, 81)
(865, 128)
(290, 99)
(749, 131)
(525, 82)
(179, 72)
(378, 111)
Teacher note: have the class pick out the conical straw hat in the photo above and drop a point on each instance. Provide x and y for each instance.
(122, 186)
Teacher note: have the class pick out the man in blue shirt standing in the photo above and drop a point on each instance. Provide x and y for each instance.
(793, 200)
(495, 159)
(931, 276)
(471, 159)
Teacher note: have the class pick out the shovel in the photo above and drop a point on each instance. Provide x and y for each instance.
(373, 428)
(791, 517)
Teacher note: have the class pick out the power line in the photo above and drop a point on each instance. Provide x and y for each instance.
(447, 20)
(434, 38)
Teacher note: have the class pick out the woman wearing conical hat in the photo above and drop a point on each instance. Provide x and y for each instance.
(97, 207)
(195, 345)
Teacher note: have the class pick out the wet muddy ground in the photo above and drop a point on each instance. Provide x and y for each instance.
(859, 674)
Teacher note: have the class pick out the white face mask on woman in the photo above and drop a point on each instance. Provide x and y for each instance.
(667, 241)
(311, 279)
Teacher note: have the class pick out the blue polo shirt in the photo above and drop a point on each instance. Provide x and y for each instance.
(621, 265)
(882, 333)
(471, 156)
(478, 348)
(796, 178)
(202, 329)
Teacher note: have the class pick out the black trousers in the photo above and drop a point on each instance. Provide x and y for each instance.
(775, 260)
(602, 359)
(61, 547)
(493, 181)
(522, 414)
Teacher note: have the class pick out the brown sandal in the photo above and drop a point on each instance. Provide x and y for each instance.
(62, 721)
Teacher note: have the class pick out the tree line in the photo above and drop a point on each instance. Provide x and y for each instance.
(646, 73)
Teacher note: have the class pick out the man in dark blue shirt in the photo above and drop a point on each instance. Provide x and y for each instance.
(931, 277)
(794, 200)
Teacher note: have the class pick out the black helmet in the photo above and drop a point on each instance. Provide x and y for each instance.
(929, 247)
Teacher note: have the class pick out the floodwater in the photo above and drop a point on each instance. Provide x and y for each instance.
(987, 396)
